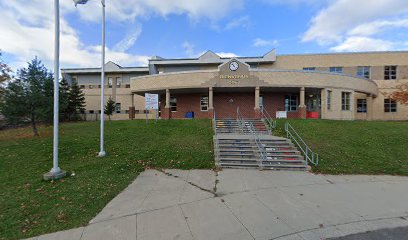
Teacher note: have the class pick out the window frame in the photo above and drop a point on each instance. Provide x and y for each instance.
(116, 108)
(110, 82)
(173, 104)
(388, 72)
(336, 70)
(346, 101)
(364, 72)
(204, 103)
(390, 105)
(289, 101)
(361, 105)
(118, 82)
(329, 99)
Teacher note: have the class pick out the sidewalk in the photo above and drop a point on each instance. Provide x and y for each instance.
(247, 204)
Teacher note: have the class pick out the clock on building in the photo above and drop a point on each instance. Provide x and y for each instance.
(233, 66)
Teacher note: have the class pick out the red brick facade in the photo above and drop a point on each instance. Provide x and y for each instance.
(225, 105)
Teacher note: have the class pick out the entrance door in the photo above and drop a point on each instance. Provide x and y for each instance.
(313, 104)
(226, 104)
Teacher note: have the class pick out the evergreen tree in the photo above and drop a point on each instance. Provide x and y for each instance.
(30, 96)
(76, 101)
(64, 99)
(5, 71)
(110, 107)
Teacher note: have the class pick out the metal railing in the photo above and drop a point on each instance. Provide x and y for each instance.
(269, 120)
(216, 147)
(248, 127)
(310, 156)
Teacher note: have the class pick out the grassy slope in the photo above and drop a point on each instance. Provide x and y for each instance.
(30, 206)
(356, 147)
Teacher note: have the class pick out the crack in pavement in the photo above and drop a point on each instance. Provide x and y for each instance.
(213, 192)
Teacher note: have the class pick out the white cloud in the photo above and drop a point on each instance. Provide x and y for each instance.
(243, 22)
(294, 2)
(372, 28)
(259, 42)
(353, 44)
(125, 10)
(342, 26)
(129, 40)
(189, 49)
(27, 27)
(226, 54)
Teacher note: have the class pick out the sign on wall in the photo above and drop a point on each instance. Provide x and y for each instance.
(281, 114)
(151, 101)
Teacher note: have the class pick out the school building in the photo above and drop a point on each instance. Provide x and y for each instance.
(344, 86)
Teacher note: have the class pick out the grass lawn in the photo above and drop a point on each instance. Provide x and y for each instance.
(30, 206)
(355, 147)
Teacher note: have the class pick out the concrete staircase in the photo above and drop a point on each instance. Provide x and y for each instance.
(231, 126)
(235, 149)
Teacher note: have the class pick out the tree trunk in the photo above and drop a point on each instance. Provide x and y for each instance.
(34, 125)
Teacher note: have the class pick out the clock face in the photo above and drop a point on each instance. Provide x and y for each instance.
(233, 66)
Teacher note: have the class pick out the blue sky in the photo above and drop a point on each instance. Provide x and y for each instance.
(139, 29)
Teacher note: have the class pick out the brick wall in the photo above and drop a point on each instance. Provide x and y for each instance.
(274, 102)
(225, 105)
(185, 103)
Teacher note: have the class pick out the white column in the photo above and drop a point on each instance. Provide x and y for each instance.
(210, 98)
(257, 94)
(302, 97)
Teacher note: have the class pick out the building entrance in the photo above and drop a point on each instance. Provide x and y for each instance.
(226, 104)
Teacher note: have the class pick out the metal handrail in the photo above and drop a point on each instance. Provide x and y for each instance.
(217, 148)
(310, 156)
(244, 125)
(269, 120)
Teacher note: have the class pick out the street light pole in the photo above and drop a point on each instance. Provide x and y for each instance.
(56, 172)
(102, 152)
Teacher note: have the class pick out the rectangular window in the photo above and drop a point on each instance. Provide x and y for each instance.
(309, 69)
(363, 72)
(261, 101)
(361, 105)
(345, 101)
(127, 85)
(117, 108)
(390, 105)
(91, 111)
(329, 97)
(118, 82)
(291, 103)
(336, 69)
(74, 80)
(90, 86)
(110, 82)
(390, 72)
(82, 86)
(173, 104)
(204, 103)
(99, 86)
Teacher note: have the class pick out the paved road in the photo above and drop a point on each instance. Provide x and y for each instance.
(248, 204)
(400, 233)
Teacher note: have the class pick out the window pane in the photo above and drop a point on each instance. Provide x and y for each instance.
(173, 104)
(291, 103)
(204, 103)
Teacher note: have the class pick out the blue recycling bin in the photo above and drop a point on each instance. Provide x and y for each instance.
(189, 115)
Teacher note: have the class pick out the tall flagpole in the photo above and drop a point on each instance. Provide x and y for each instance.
(102, 153)
(56, 172)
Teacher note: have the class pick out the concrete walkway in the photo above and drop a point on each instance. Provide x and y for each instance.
(247, 204)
